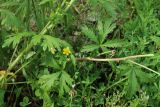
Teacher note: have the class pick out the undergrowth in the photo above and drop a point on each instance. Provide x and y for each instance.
(79, 53)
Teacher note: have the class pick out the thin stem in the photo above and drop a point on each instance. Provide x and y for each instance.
(25, 82)
(144, 67)
(19, 57)
(116, 83)
(44, 30)
(113, 59)
(14, 52)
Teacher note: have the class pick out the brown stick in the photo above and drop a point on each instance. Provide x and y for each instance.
(113, 59)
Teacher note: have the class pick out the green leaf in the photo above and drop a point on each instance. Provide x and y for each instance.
(48, 81)
(89, 48)
(156, 40)
(89, 33)
(109, 6)
(2, 92)
(132, 84)
(46, 1)
(9, 19)
(50, 42)
(101, 32)
(105, 29)
(73, 60)
(14, 39)
(108, 26)
(36, 39)
(9, 4)
(65, 82)
(49, 61)
(114, 43)
(143, 77)
(25, 102)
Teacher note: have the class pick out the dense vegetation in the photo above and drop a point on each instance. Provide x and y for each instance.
(80, 53)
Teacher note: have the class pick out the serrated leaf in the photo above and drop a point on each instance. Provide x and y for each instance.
(105, 29)
(49, 61)
(114, 43)
(108, 26)
(89, 33)
(143, 76)
(101, 31)
(50, 42)
(132, 84)
(14, 39)
(156, 40)
(36, 39)
(48, 81)
(65, 82)
(9, 19)
(89, 48)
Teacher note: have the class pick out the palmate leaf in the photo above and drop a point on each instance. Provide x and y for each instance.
(108, 26)
(65, 82)
(105, 29)
(89, 33)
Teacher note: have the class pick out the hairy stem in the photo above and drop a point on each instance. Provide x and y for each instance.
(44, 30)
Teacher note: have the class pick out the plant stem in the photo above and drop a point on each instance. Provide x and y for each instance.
(117, 83)
(144, 67)
(19, 57)
(44, 30)
(113, 59)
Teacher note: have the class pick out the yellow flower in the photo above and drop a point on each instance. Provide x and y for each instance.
(66, 51)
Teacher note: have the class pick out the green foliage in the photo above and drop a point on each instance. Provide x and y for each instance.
(25, 102)
(47, 49)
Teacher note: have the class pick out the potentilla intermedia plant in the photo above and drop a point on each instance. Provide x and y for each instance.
(79, 53)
